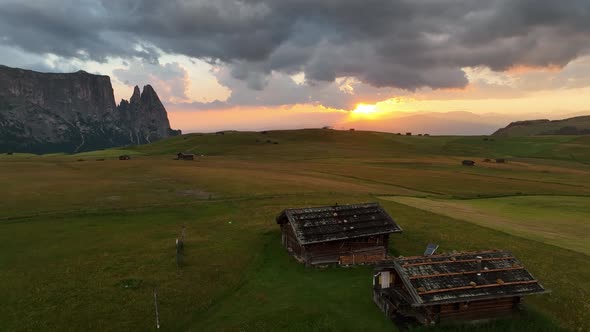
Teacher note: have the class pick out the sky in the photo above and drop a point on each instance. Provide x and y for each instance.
(278, 64)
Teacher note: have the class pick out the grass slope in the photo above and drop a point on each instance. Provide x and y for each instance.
(74, 233)
(563, 221)
(572, 126)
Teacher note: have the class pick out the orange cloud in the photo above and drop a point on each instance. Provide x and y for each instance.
(523, 69)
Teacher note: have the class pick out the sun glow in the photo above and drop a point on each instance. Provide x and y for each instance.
(365, 109)
(369, 111)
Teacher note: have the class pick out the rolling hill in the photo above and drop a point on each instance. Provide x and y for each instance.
(579, 125)
(85, 238)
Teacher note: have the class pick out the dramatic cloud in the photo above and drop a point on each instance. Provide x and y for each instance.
(170, 80)
(398, 44)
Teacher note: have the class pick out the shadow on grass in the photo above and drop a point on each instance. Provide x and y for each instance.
(280, 294)
(526, 320)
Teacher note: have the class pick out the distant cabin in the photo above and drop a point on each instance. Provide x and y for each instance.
(500, 160)
(408, 134)
(124, 157)
(460, 286)
(351, 129)
(340, 234)
(185, 156)
(468, 163)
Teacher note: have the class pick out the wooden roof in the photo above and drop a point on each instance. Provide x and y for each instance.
(450, 278)
(339, 222)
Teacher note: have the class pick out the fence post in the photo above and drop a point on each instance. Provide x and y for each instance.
(156, 305)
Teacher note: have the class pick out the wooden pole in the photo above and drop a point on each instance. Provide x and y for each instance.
(156, 305)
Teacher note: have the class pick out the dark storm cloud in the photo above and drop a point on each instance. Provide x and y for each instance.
(405, 44)
(170, 79)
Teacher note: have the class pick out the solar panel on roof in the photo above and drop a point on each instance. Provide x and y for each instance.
(430, 249)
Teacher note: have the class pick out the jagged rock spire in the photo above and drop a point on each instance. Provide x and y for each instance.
(136, 95)
(38, 120)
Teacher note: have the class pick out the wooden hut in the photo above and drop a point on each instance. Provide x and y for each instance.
(124, 157)
(460, 286)
(468, 163)
(340, 234)
(185, 156)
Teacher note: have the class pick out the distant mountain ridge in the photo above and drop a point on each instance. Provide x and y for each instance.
(579, 125)
(74, 112)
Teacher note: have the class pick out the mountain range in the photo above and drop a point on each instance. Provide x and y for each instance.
(74, 112)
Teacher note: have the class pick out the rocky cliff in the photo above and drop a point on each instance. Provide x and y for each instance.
(47, 112)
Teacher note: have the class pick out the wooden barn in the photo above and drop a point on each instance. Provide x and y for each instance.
(185, 156)
(464, 286)
(468, 163)
(340, 234)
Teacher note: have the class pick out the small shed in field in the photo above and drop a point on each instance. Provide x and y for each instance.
(340, 234)
(459, 286)
(185, 156)
(468, 163)
(124, 157)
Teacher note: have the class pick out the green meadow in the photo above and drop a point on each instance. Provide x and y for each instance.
(85, 239)
(557, 220)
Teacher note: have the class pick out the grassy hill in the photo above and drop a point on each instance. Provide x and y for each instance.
(316, 143)
(573, 126)
(84, 239)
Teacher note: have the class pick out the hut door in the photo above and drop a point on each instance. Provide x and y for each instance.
(385, 279)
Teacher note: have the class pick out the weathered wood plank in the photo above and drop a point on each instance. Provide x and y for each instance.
(465, 272)
(479, 286)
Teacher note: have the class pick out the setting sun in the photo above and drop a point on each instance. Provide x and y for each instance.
(370, 111)
(365, 109)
